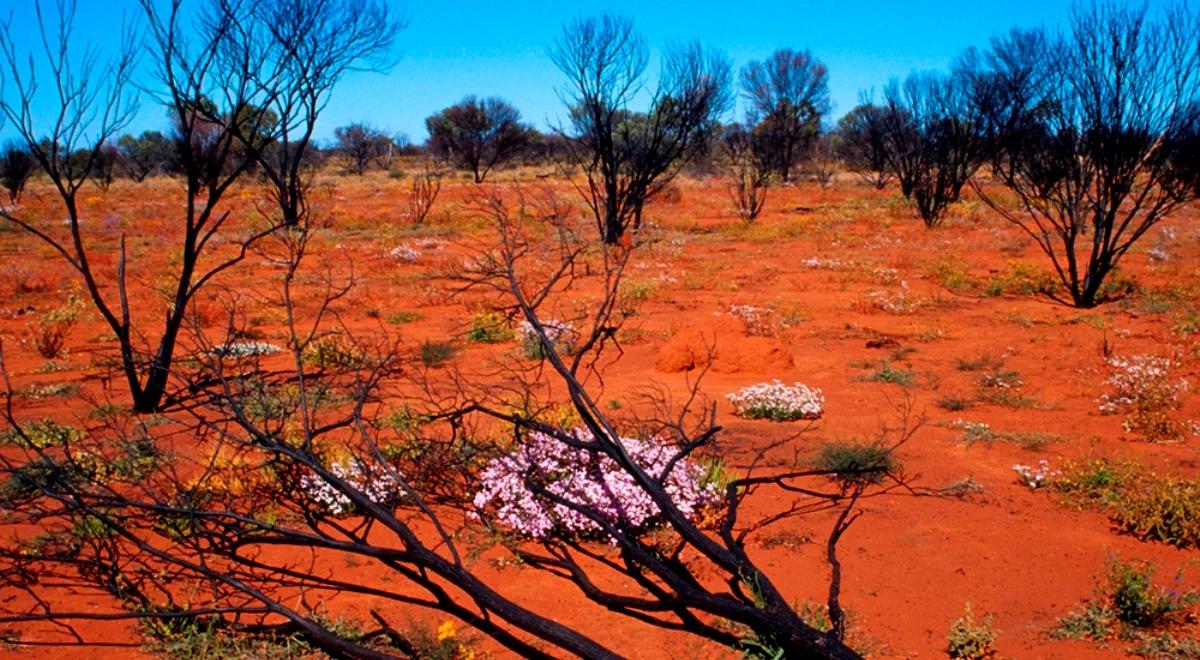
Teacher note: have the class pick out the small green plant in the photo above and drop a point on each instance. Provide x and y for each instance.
(1098, 482)
(886, 373)
(971, 640)
(856, 463)
(41, 434)
(332, 351)
(950, 272)
(1134, 598)
(1019, 277)
(404, 317)
(985, 361)
(52, 328)
(490, 328)
(1128, 599)
(1165, 646)
(437, 353)
(1093, 620)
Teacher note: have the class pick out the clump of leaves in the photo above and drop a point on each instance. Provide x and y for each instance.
(39, 475)
(970, 639)
(41, 434)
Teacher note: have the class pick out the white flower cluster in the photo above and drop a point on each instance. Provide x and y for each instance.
(245, 349)
(896, 302)
(778, 402)
(405, 252)
(973, 431)
(759, 321)
(886, 275)
(560, 333)
(376, 483)
(822, 264)
(1137, 379)
(1035, 477)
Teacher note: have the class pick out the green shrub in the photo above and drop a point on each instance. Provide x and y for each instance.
(1094, 620)
(971, 640)
(490, 328)
(856, 463)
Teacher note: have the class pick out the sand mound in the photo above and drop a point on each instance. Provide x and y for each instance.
(731, 349)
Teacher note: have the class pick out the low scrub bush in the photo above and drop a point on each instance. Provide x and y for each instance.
(437, 353)
(970, 639)
(1166, 510)
(778, 402)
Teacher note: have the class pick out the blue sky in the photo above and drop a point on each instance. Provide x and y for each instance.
(451, 49)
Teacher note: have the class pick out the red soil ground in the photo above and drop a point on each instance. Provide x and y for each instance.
(825, 262)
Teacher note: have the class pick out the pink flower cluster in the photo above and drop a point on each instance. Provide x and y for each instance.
(376, 482)
(1035, 477)
(1140, 379)
(586, 479)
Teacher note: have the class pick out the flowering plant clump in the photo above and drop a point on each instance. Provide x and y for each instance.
(1144, 390)
(974, 431)
(560, 333)
(245, 349)
(405, 252)
(587, 480)
(759, 321)
(1035, 477)
(376, 482)
(779, 402)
